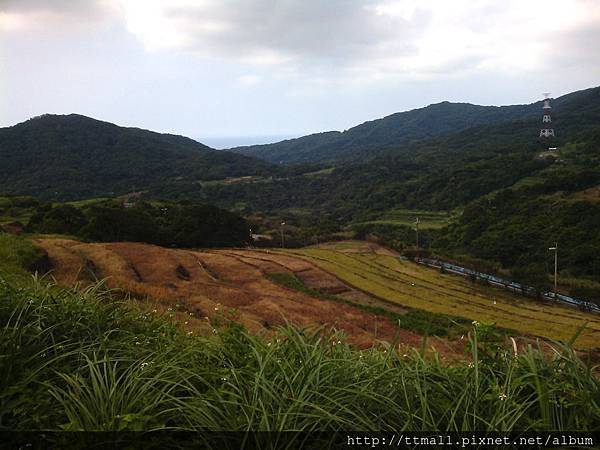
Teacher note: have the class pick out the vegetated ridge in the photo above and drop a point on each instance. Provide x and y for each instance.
(370, 138)
(73, 156)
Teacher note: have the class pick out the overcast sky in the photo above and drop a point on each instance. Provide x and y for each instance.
(230, 68)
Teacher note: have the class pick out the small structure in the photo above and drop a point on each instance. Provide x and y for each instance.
(547, 130)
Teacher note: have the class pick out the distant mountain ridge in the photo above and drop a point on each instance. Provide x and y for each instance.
(370, 138)
(74, 156)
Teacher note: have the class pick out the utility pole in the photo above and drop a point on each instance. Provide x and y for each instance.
(282, 236)
(555, 250)
(417, 231)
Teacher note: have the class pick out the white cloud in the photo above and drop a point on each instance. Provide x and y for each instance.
(358, 40)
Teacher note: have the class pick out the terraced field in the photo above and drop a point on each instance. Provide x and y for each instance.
(403, 283)
(358, 287)
(195, 285)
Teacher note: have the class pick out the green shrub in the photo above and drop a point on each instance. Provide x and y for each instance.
(83, 361)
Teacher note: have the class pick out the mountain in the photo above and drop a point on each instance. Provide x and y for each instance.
(73, 156)
(439, 173)
(370, 138)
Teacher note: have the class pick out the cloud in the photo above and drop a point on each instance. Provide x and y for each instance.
(359, 40)
(57, 15)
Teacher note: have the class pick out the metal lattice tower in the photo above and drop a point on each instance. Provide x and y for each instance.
(547, 130)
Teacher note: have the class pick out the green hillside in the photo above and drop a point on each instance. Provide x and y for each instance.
(74, 157)
(370, 138)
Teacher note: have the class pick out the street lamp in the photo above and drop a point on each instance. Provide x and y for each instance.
(417, 230)
(282, 237)
(555, 250)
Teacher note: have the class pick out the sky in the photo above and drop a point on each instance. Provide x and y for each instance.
(233, 72)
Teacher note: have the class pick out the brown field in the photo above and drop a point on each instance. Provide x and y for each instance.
(591, 194)
(191, 285)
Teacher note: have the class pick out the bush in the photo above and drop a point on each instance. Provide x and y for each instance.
(82, 361)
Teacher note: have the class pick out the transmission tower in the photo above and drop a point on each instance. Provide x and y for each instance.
(547, 130)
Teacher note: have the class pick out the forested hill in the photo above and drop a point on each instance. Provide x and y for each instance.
(73, 156)
(439, 173)
(370, 138)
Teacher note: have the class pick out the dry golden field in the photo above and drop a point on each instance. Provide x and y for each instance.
(409, 285)
(192, 285)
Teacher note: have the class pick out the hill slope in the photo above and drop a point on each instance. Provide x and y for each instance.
(74, 156)
(369, 138)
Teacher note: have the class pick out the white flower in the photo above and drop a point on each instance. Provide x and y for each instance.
(471, 365)
(502, 396)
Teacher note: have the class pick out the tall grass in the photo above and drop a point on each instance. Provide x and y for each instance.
(80, 360)
(17, 256)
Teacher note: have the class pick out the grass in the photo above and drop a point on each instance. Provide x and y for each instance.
(407, 284)
(17, 256)
(80, 360)
(422, 322)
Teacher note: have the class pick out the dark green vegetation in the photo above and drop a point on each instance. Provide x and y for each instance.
(435, 174)
(84, 361)
(163, 223)
(74, 157)
(421, 322)
(374, 137)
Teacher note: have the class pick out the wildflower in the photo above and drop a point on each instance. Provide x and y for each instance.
(154, 311)
(223, 379)
(269, 344)
(214, 331)
(31, 302)
(190, 333)
(502, 396)
(186, 322)
(216, 308)
(475, 323)
(462, 337)
(143, 365)
(405, 355)
(471, 365)
(169, 309)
